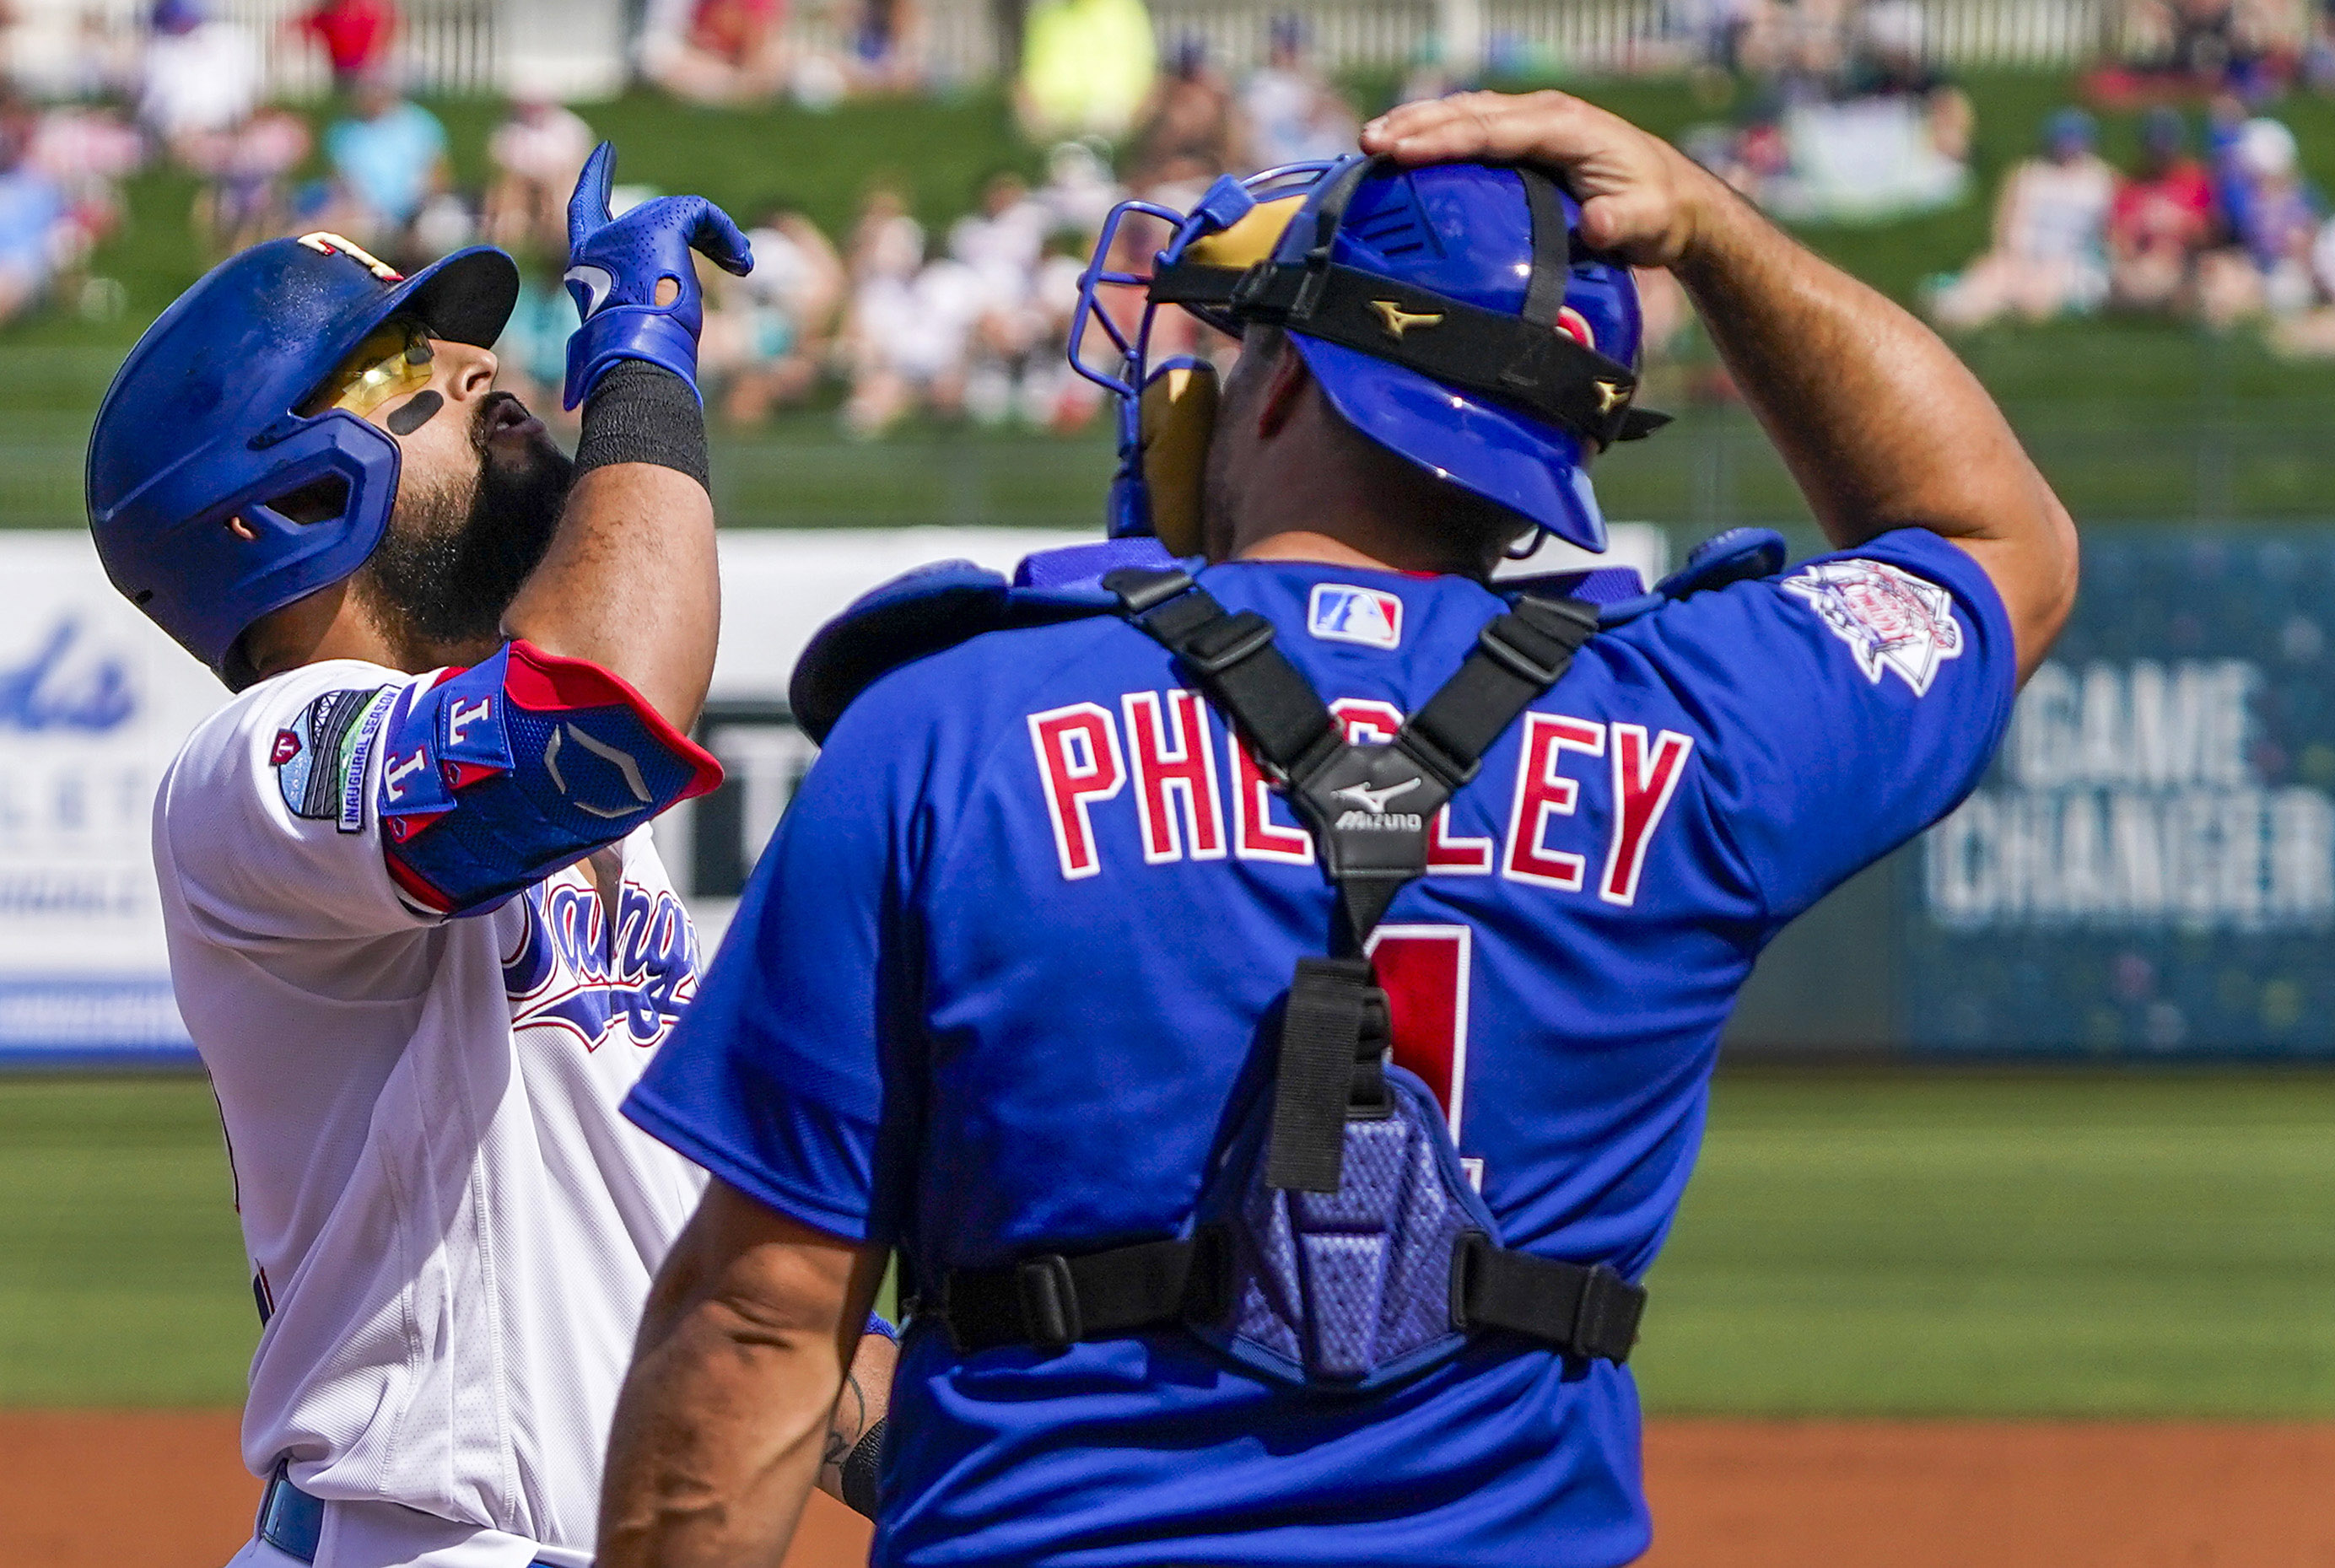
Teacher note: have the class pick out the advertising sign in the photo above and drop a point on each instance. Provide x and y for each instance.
(94, 702)
(2150, 866)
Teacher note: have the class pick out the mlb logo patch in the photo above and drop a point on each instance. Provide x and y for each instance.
(1342, 613)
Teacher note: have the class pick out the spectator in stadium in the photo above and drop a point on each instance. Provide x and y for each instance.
(1080, 191)
(1050, 396)
(1190, 131)
(199, 80)
(37, 233)
(1292, 113)
(1796, 50)
(1087, 68)
(388, 157)
(2161, 219)
(1854, 124)
(718, 51)
(884, 55)
(904, 332)
(999, 246)
(2049, 255)
(1891, 60)
(2196, 47)
(355, 36)
(1716, 30)
(769, 333)
(2272, 214)
(88, 152)
(245, 200)
(536, 153)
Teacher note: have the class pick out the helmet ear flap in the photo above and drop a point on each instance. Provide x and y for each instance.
(1174, 421)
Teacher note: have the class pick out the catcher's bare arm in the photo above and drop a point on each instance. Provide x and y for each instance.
(1884, 428)
(732, 1409)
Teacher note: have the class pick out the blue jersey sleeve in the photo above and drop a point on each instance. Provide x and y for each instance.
(1851, 702)
(776, 1078)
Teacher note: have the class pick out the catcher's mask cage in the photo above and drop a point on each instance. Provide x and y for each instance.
(1446, 313)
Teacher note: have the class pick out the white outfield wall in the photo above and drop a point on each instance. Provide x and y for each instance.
(94, 702)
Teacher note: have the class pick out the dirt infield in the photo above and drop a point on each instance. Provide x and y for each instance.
(157, 1490)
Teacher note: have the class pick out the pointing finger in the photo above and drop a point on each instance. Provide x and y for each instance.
(587, 209)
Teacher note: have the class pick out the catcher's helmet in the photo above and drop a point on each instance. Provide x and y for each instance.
(1449, 314)
(200, 426)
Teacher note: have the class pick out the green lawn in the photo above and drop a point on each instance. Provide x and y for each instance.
(121, 1276)
(1905, 1244)
(2004, 1245)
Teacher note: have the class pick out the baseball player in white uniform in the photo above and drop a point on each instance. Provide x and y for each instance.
(417, 928)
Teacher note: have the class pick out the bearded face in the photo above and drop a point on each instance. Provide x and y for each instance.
(465, 535)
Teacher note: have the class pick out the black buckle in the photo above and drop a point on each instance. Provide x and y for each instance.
(1141, 588)
(1595, 1318)
(1050, 1300)
(1540, 666)
(1219, 647)
(1464, 1252)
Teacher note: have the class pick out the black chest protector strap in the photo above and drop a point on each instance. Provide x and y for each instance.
(1370, 808)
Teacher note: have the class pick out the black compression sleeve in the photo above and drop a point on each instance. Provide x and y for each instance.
(642, 414)
(860, 1470)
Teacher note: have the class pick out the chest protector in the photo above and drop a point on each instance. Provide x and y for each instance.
(1337, 1244)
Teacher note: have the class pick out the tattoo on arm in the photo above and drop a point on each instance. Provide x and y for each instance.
(848, 1425)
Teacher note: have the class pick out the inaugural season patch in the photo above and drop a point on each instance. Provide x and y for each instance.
(1890, 619)
(320, 758)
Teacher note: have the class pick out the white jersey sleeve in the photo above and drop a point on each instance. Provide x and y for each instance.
(268, 819)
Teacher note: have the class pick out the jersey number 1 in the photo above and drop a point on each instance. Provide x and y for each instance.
(1425, 970)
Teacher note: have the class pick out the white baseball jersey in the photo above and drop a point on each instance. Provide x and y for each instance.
(450, 1229)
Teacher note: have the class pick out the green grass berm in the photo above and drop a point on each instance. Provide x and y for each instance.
(2137, 420)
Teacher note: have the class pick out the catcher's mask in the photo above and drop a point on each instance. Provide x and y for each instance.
(1449, 314)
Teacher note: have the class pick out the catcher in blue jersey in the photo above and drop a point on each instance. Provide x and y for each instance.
(1262, 974)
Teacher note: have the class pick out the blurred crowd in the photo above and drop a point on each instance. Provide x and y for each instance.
(2238, 233)
(1834, 110)
(887, 319)
(1841, 116)
(973, 321)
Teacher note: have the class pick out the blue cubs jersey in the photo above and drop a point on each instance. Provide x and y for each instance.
(998, 987)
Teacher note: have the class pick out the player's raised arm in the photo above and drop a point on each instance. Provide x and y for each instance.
(1882, 426)
(629, 581)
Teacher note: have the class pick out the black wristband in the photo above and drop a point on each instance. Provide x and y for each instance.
(861, 1467)
(642, 414)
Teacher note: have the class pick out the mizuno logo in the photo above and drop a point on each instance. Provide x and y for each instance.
(1399, 321)
(1381, 821)
(1373, 801)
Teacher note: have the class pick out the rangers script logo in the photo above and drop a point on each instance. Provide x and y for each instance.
(1890, 619)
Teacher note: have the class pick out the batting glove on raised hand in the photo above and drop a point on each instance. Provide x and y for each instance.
(616, 264)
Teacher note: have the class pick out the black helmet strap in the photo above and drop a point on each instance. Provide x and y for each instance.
(1525, 361)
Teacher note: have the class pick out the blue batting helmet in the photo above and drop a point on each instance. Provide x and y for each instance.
(201, 426)
(1449, 313)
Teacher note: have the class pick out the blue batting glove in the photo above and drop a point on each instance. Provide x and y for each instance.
(614, 266)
